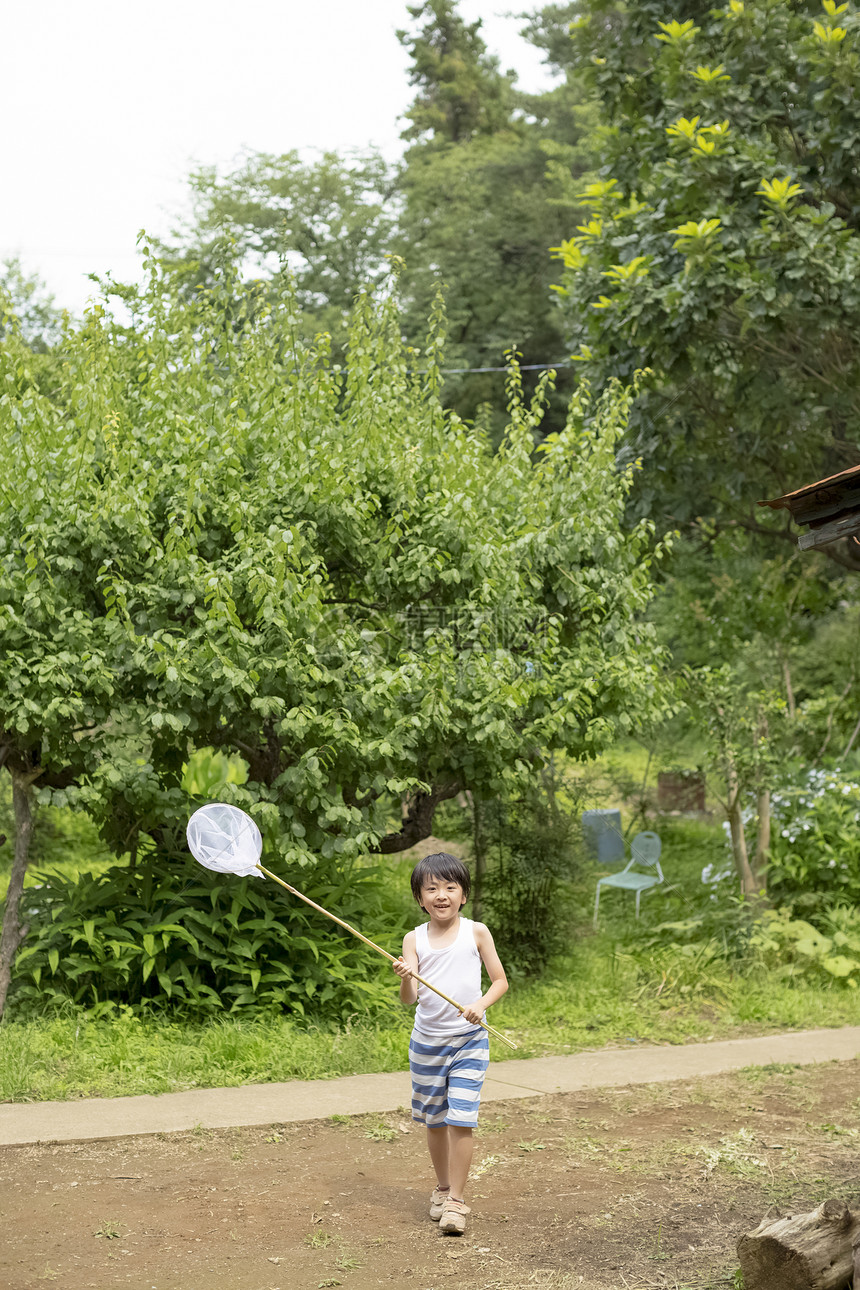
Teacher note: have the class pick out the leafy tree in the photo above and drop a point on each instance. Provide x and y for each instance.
(476, 217)
(473, 206)
(27, 308)
(31, 324)
(721, 247)
(461, 93)
(724, 598)
(331, 220)
(315, 569)
(478, 214)
(744, 728)
(62, 697)
(828, 671)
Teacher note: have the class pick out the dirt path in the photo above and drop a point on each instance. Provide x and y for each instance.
(603, 1190)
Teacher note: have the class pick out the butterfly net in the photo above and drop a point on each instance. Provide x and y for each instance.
(225, 839)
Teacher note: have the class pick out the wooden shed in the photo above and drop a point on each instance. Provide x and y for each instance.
(830, 510)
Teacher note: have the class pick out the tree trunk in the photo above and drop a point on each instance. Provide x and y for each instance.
(850, 744)
(480, 849)
(829, 729)
(763, 838)
(13, 933)
(806, 1252)
(789, 692)
(749, 887)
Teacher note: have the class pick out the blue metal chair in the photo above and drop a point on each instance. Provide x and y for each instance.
(644, 850)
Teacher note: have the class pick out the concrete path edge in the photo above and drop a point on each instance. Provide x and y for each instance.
(264, 1104)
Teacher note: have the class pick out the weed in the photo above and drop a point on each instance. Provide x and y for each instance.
(109, 1230)
(657, 1254)
(583, 1146)
(734, 1155)
(837, 1131)
(346, 1263)
(497, 1125)
(318, 1240)
(485, 1165)
(758, 1076)
(380, 1132)
(340, 1119)
(532, 1146)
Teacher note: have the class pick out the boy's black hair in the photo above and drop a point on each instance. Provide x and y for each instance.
(440, 865)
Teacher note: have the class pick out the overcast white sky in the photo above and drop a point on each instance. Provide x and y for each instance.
(109, 103)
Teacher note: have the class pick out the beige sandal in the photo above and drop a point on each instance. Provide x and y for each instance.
(438, 1196)
(454, 1216)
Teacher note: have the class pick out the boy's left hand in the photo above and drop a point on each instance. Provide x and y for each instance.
(475, 1012)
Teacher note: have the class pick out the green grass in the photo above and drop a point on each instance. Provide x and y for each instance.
(582, 1004)
(594, 1004)
(69, 1056)
(608, 987)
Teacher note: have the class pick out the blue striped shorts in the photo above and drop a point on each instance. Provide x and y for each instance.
(447, 1077)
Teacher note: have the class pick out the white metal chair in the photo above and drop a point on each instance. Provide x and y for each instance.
(644, 850)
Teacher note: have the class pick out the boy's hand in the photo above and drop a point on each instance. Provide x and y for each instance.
(475, 1012)
(402, 969)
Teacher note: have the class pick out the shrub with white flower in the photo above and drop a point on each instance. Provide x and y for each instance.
(815, 842)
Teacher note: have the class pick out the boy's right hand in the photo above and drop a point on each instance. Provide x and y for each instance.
(402, 969)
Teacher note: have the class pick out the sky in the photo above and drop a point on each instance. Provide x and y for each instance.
(110, 104)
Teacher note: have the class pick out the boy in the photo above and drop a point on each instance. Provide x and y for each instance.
(448, 1051)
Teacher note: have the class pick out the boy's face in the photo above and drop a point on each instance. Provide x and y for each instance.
(441, 896)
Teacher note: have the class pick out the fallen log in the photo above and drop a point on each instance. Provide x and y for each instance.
(816, 1251)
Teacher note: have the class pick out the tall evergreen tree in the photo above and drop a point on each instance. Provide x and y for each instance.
(478, 211)
(461, 93)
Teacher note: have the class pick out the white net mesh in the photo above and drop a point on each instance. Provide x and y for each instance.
(225, 839)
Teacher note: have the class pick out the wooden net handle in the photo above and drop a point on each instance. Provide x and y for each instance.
(497, 1034)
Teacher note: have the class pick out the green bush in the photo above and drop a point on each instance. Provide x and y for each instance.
(533, 853)
(815, 847)
(149, 937)
(701, 953)
(673, 970)
(829, 954)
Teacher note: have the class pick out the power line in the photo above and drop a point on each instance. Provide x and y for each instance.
(460, 371)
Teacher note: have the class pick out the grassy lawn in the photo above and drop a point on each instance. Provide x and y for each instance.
(71, 1055)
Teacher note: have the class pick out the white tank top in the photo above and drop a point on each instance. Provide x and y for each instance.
(456, 969)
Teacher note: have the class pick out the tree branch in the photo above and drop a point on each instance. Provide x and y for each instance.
(351, 798)
(418, 823)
